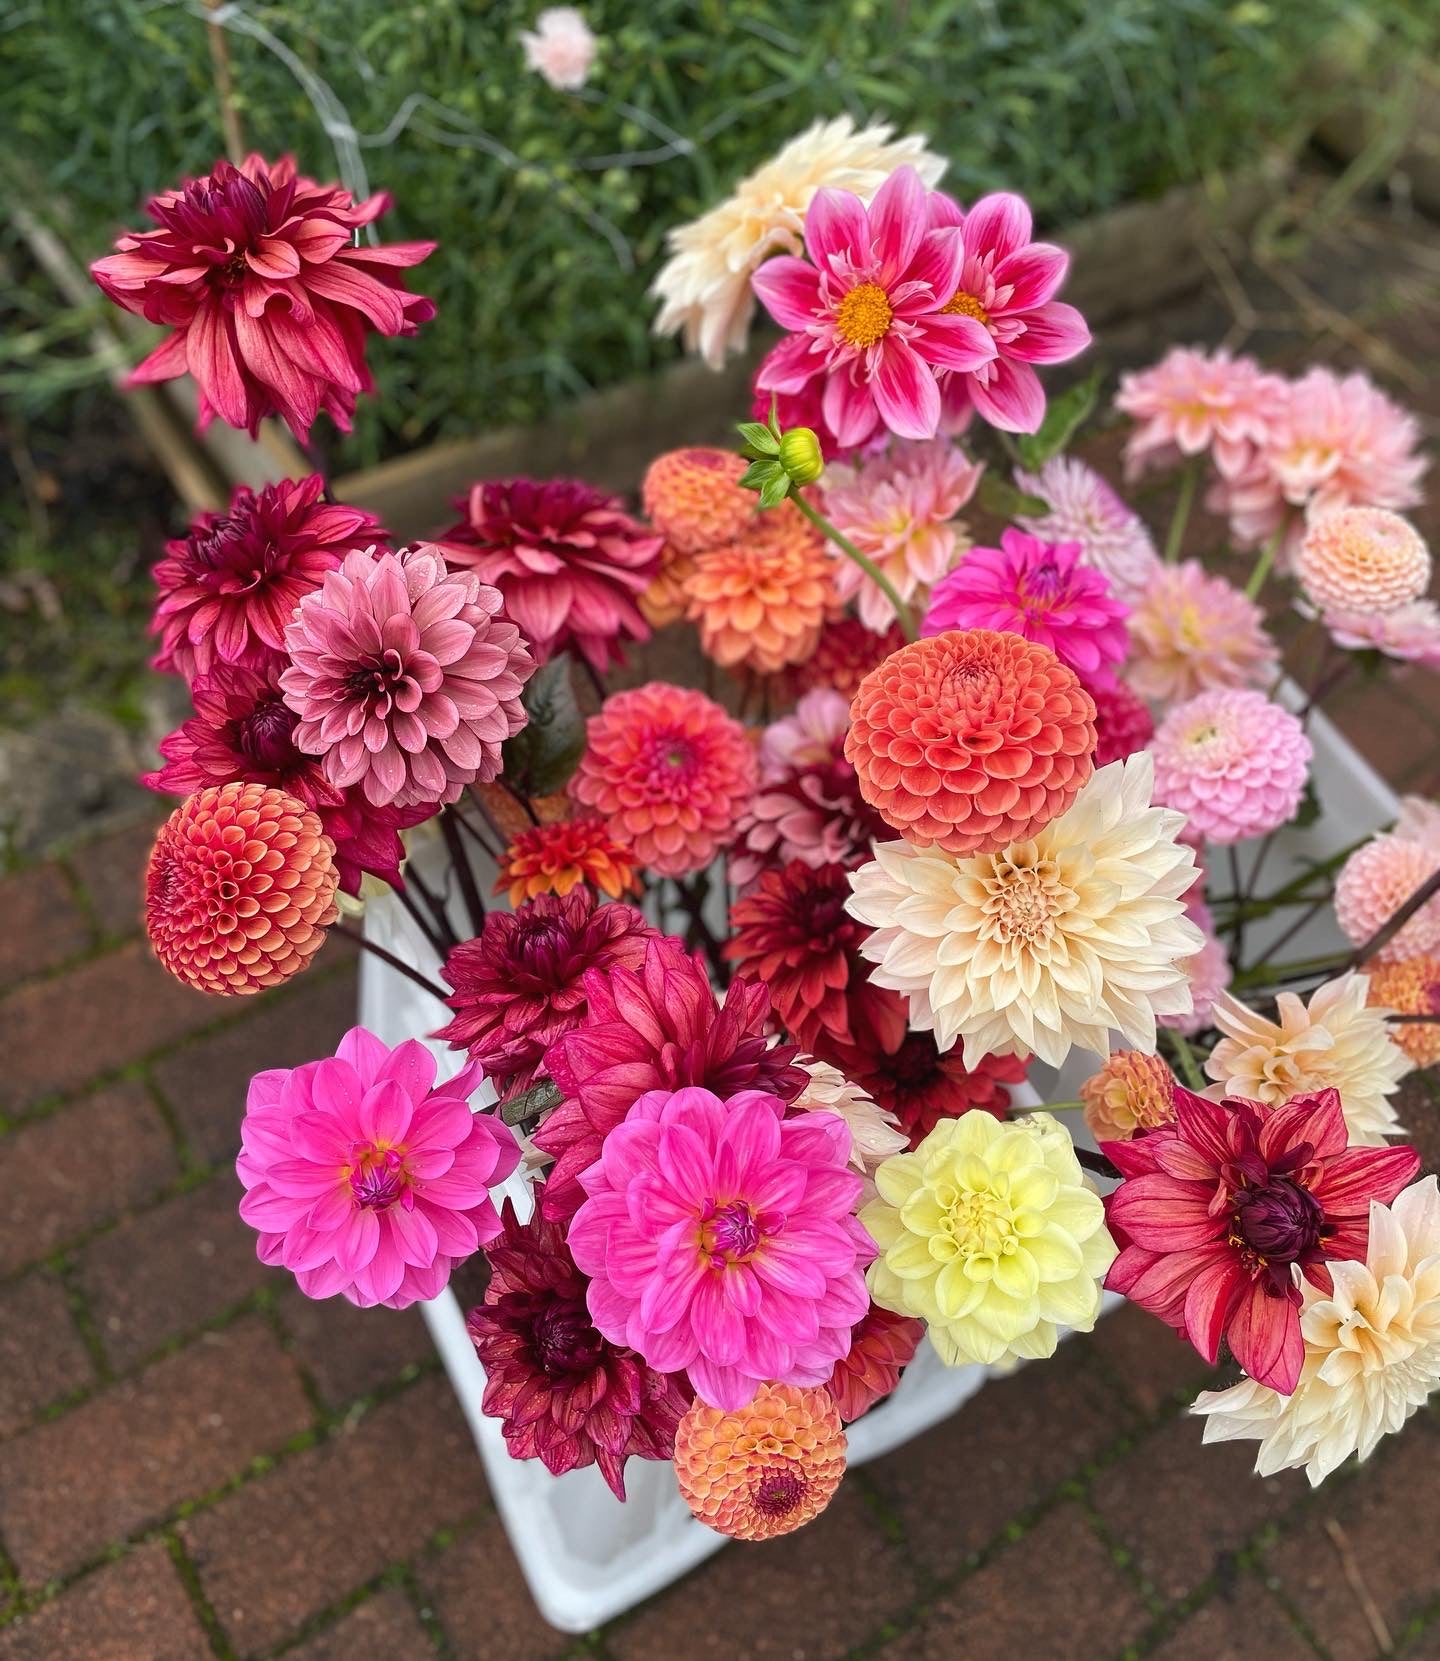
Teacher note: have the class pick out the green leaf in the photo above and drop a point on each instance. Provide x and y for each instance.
(1063, 419)
(759, 473)
(775, 490)
(759, 437)
(1001, 498)
(545, 752)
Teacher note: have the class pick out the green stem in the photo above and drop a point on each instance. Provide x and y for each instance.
(1189, 480)
(867, 565)
(1059, 1107)
(1185, 1055)
(1266, 560)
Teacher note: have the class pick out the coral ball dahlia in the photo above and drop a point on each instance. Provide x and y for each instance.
(1362, 559)
(761, 601)
(694, 496)
(971, 739)
(1232, 762)
(240, 889)
(1131, 1092)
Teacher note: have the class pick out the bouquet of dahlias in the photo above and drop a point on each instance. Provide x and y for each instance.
(745, 973)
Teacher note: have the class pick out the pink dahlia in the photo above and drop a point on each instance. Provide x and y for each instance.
(1123, 722)
(1232, 762)
(657, 1027)
(269, 292)
(864, 312)
(1409, 633)
(565, 1395)
(230, 585)
(670, 770)
(881, 1346)
(1190, 631)
(406, 677)
(1081, 507)
(1222, 1215)
(1192, 402)
(518, 986)
(1376, 881)
(721, 1241)
(1039, 590)
(365, 1177)
(569, 561)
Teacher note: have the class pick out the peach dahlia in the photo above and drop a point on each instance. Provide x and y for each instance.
(762, 600)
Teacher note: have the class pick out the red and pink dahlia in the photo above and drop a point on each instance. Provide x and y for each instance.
(1123, 722)
(881, 1345)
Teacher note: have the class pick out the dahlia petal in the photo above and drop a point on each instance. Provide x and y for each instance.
(169, 359)
(1054, 333)
(211, 360)
(905, 392)
(349, 286)
(836, 227)
(789, 289)
(1011, 396)
(959, 343)
(897, 223)
(385, 1113)
(998, 224)
(1264, 1335)
(1208, 1303)
(1033, 273)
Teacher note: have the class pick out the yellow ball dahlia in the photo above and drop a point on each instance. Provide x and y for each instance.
(1132, 1091)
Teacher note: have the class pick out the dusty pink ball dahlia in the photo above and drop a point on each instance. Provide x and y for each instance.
(1190, 631)
(670, 770)
(569, 561)
(1123, 722)
(406, 677)
(258, 271)
(1234, 763)
(1362, 559)
(1375, 882)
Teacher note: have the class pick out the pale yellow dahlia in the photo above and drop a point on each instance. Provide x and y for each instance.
(1132, 1091)
(1372, 1351)
(1047, 943)
(1333, 1042)
(704, 286)
(990, 1233)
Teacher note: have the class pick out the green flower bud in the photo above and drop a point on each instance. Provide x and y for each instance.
(800, 455)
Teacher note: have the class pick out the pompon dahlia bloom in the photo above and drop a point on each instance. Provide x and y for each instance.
(899, 510)
(1113, 539)
(564, 1395)
(920, 1087)
(562, 49)
(553, 859)
(406, 677)
(1409, 633)
(991, 1234)
(1375, 882)
(704, 285)
(365, 1177)
(670, 771)
(270, 295)
(694, 497)
(760, 602)
(229, 586)
(971, 739)
(1130, 1092)
(1223, 1213)
(1044, 944)
(519, 984)
(1232, 762)
(1335, 1042)
(664, 602)
(1411, 987)
(1372, 1352)
(240, 889)
(765, 1470)
(1362, 559)
(1041, 591)
(873, 1135)
(1190, 632)
(1192, 402)
(880, 1347)
(863, 312)
(721, 1241)
(568, 560)
(657, 1027)
(846, 652)
(1123, 722)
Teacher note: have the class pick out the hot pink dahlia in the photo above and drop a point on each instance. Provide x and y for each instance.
(1193, 401)
(1225, 1210)
(670, 770)
(270, 294)
(864, 315)
(1190, 631)
(1123, 722)
(406, 677)
(566, 1396)
(1039, 590)
(1084, 509)
(1232, 762)
(231, 584)
(1376, 881)
(721, 1241)
(518, 986)
(569, 561)
(880, 1346)
(657, 1027)
(365, 1177)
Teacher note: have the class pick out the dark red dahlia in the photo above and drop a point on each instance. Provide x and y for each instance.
(921, 1087)
(519, 985)
(846, 654)
(568, 559)
(565, 1395)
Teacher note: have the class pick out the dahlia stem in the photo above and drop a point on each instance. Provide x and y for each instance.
(469, 889)
(867, 565)
(1266, 560)
(436, 927)
(1097, 1163)
(225, 85)
(397, 963)
(1059, 1107)
(1185, 1056)
(1189, 480)
(1290, 933)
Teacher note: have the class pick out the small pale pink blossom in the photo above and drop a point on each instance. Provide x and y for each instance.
(1192, 402)
(1410, 632)
(561, 47)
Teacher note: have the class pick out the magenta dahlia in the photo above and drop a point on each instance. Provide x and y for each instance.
(270, 295)
(1123, 722)
(570, 562)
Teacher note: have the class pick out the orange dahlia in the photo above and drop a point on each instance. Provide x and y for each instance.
(240, 888)
(971, 739)
(762, 600)
(665, 600)
(844, 655)
(552, 859)
(765, 1470)
(1131, 1092)
(1411, 987)
(694, 497)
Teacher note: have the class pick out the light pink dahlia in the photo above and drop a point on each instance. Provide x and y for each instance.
(1123, 722)
(1409, 633)
(722, 1242)
(1084, 509)
(1362, 559)
(561, 47)
(406, 677)
(1190, 632)
(1193, 401)
(1232, 762)
(1375, 882)
(1208, 971)
(269, 291)
(365, 1177)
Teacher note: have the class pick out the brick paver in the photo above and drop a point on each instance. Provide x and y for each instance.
(133, 1610)
(385, 1628)
(1241, 1623)
(43, 925)
(42, 1355)
(482, 1603)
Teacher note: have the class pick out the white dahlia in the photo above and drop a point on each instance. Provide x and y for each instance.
(1372, 1351)
(1044, 944)
(704, 286)
(1334, 1042)
(875, 1132)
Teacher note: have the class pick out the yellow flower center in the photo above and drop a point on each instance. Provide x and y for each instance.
(863, 316)
(962, 304)
(977, 1221)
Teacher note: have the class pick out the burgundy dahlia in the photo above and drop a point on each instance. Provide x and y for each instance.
(231, 584)
(257, 271)
(566, 1395)
(569, 560)
(921, 1087)
(518, 986)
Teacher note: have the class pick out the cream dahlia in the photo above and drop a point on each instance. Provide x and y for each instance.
(1190, 631)
(1362, 559)
(1232, 762)
(874, 1131)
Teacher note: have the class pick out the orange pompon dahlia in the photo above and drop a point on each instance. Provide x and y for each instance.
(1131, 1092)
(1411, 987)
(694, 497)
(765, 1470)
(762, 600)
(971, 739)
(553, 859)
(668, 595)
(240, 889)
